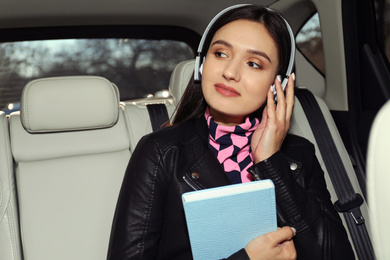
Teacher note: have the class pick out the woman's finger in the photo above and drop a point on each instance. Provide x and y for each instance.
(290, 97)
(271, 104)
(279, 89)
(281, 100)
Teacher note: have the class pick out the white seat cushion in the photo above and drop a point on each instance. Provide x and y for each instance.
(138, 117)
(70, 161)
(378, 182)
(9, 223)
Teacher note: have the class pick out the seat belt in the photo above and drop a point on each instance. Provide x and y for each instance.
(348, 201)
(158, 115)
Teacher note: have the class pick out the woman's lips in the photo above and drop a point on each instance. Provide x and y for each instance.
(226, 91)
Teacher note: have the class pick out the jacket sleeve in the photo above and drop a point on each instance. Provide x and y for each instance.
(136, 230)
(303, 202)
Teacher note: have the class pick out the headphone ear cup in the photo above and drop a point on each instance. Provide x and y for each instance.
(198, 68)
(197, 74)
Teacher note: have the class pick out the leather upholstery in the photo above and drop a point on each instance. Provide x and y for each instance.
(90, 102)
(9, 227)
(180, 78)
(68, 181)
(378, 181)
(138, 117)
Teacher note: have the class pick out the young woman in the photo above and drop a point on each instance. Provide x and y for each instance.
(228, 129)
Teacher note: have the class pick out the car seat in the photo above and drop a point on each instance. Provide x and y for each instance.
(70, 145)
(139, 116)
(378, 181)
(9, 224)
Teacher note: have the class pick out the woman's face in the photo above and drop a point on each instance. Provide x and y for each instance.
(239, 69)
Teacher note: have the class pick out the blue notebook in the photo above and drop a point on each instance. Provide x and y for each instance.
(223, 220)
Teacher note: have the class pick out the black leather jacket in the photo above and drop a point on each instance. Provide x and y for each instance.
(149, 222)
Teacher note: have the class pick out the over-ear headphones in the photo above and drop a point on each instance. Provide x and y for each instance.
(200, 58)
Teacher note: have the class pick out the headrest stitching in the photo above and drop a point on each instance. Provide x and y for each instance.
(26, 102)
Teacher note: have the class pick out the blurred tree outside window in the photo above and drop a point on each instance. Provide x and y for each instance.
(309, 43)
(140, 68)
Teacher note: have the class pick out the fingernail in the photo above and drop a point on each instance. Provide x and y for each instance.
(279, 78)
(294, 230)
(293, 76)
(272, 88)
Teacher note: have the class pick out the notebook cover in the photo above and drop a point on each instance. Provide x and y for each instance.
(220, 226)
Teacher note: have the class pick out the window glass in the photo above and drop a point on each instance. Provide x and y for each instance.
(140, 68)
(309, 43)
(383, 20)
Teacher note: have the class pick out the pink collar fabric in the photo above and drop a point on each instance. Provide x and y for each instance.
(231, 146)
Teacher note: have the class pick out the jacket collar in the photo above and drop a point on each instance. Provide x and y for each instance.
(207, 171)
(202, 129)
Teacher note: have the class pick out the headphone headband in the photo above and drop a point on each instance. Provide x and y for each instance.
(199, 59)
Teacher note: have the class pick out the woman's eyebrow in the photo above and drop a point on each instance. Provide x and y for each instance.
(255, 52)
(222, 43)
(260, 53)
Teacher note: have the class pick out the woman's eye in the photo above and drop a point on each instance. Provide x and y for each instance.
(220, 54)
(254, 65)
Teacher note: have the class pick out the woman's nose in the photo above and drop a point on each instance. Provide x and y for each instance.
(232, 71)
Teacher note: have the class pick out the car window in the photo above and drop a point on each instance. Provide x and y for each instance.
(383, 21)
(140, 68)
(309, 43)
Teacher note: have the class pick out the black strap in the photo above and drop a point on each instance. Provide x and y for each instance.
(158, 115)
(348, 201)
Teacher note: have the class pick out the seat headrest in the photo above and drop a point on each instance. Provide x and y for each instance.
(180, 78)
(69, 104)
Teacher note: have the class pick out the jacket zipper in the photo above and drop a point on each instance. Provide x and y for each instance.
(254, 174)
(189, 182)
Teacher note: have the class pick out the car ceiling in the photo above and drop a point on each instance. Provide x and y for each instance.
(38, 13)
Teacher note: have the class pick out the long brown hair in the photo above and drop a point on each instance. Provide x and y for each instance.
(192, 104)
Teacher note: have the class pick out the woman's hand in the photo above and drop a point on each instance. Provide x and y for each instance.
(273, 245)
(269, 135)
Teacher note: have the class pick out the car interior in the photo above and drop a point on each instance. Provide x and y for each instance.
(68, 137)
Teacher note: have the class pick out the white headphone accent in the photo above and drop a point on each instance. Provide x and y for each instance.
(201, 67)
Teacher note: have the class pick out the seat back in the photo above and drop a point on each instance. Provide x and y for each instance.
(299, 126)
(70, 145)
(138, 118)
(9, 224)
(378, 182)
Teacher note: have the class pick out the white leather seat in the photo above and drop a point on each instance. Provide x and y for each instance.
(179, 79)
(137, 114)
(70, 145)
(299, 126)
(378, 182)
(9, 224)
(138, 118)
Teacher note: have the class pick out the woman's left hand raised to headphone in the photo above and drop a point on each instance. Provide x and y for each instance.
(269, 135)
